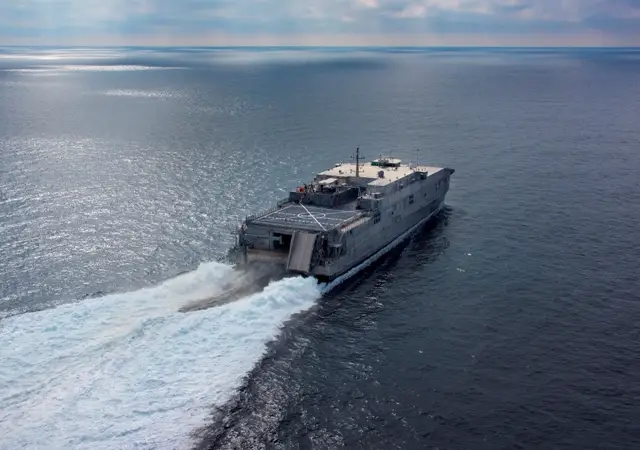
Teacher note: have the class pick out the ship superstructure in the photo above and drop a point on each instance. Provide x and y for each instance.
(344, 216)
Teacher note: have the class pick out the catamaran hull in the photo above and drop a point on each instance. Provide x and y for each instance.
(275, 272)
(350, 214)
(243, 257)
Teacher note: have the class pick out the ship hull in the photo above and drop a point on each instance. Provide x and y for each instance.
(408, 225)
(398, 233)
(350, 216)
(327, 234)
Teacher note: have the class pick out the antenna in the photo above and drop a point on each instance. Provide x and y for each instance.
(358, 156)
(417, 154)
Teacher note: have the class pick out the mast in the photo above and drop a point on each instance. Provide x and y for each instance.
(357, 162)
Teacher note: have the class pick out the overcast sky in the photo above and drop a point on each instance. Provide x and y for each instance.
(321, 22)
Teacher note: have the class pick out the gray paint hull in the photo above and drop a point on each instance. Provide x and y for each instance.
(328, 241)
(422, 215)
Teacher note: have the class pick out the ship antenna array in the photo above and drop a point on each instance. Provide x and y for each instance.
(357, 162)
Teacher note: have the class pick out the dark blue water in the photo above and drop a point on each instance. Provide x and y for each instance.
(510, 321)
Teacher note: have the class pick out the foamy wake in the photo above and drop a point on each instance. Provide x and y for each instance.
(128, 370)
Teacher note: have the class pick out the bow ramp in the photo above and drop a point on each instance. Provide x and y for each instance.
(301, 251)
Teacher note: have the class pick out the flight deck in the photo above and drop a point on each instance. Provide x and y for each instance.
(310, 218)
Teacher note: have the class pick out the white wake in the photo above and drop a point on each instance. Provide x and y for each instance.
(128, 370)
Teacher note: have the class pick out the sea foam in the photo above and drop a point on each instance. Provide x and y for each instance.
(128, 370)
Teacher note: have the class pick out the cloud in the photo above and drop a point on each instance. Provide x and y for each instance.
(130, 19)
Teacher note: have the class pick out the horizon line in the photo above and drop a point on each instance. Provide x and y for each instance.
(443, 46)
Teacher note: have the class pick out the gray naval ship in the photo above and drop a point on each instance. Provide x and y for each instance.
(343, 217)
(346, 216)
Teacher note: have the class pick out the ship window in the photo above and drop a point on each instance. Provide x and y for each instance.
(411, 199)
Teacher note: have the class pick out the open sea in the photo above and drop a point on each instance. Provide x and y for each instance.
(511, 321)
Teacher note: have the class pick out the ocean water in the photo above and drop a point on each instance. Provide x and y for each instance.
(509, 321)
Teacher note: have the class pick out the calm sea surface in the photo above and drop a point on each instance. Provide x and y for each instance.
(510, 321)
